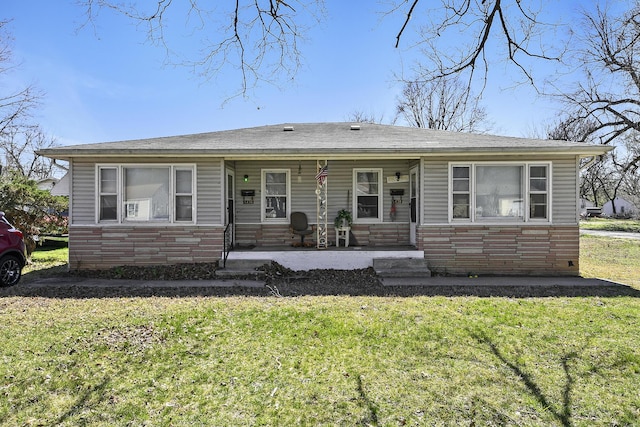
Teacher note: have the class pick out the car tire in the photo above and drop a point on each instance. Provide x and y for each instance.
(10, 270)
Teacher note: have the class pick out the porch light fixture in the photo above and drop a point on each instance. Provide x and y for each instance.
(246, 178)
(299, 171)
(398, 176)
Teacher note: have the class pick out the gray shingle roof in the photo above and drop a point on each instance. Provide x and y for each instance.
(326, 140)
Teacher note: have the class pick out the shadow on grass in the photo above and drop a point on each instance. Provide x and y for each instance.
(563, 413)
(92, 396)
(84, 400)
(55, 271)
(372, 409)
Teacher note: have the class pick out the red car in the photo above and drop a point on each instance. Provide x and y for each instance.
(13, 253)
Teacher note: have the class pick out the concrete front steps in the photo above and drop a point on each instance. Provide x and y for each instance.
(243, 267)
(401, 271)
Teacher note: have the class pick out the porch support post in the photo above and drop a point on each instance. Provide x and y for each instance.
(321, 205)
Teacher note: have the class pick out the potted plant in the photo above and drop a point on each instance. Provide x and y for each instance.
(343, 219)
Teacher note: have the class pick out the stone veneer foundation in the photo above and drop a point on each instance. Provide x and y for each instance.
(105, 247)
(501, 250)
(457, 250)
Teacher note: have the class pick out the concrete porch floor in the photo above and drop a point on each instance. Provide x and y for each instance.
(337, 258)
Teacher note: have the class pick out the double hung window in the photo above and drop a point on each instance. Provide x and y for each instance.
(108, 194)
(368, 195)
(154, 193)
(184, 194)
(461, 191)
(499, 192)
(538, 192)
(275, 191)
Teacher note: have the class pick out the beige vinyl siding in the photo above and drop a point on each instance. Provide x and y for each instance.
(435, 200)
(565, 193)
(435, 187)
(83, 190)
(248, 209)
(209, 192)
(389, 169)
(303, 196)
(208, 188)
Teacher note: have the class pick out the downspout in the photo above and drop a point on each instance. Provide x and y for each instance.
(589, 163)
(583, 167)
(55, 163)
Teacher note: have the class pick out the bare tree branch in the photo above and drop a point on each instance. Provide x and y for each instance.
(19, 145)
(491, 28)
(609, 96)
(15, 107)
(445, 104)
(259, 38)
(19, 138)
(406, 22)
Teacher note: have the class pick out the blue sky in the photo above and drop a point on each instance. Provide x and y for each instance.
(107, 84)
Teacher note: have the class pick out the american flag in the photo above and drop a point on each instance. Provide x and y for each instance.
(322, 175)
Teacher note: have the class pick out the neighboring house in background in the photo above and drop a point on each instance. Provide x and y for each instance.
(47, 183)
(624, 208)
(584, 204)
(469, 203)
(62, 187)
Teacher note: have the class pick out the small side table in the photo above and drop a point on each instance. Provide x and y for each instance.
(342, 233)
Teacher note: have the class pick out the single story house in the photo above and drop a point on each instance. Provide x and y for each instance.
(584, 205)
(469, 203)
(62, 187)
(47, 184)
(623, 208)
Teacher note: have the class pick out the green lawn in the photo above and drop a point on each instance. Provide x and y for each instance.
(613, 259)
(353, 361)
(320, 361)
(44, 261)
(608, 224)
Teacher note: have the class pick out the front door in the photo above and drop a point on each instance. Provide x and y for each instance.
(414, 193)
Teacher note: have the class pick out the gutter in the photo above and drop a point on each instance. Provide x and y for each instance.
(332, 153)
(589, 163)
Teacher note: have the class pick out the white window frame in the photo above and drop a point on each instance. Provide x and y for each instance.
(99, 193)
(531, 192)
(526, 193)
(380, 196)
(452, 192)
(120, 193)
(175, 194)
(263, 198)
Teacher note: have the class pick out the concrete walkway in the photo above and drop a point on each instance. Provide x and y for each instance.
(500, 281)
(67, 282)
(612, 234)
(481, 281)
(511, 287)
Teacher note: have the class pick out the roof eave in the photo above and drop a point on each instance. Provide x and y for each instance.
(333, 153)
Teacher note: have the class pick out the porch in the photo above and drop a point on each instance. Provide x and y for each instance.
(336, 258)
